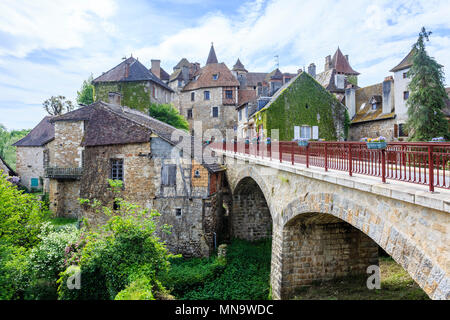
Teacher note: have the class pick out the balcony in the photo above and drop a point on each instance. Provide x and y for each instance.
(63, 173)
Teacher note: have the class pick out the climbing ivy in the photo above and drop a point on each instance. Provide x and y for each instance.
(135, 95)
(300, 104)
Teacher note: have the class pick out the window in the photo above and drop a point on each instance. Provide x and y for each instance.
(34, 182)
(46, 158)
(286, 80)
(189, 114)
(405, 95)
(206, 95)
(192, 96)
(178, 212)
(153, 91)
(117, 169)
(169, 175)
(240, 114)
(405, 75)
(374, 106)
(228, 94)
(180, 83)
(402, 132)
(116, 205)
(246, 112)
(197, 173)
(305, 132)
(215, 76)
(215, 112)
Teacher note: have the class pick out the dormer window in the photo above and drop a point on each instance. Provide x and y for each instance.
(215, 76)
(375, 102)
(374, 106)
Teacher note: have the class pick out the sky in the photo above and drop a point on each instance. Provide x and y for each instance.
(48, 47)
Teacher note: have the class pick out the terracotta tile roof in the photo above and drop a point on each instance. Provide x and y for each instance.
(340, 63)
(238, 66)
(245, 96)
(254, 77)
(130, 70)
(405, 63)
(212, 56)
(43, 133)
(363, 99)
(203, 78)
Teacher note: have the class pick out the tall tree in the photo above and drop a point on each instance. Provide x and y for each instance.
(57, 105)
(427, 95)
(86, 93)
(168, 114)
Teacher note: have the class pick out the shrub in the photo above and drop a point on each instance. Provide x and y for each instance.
(14, 272)
(21, 216)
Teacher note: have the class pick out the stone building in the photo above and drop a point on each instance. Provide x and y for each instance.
(337, 74)
(107, 141)
(301, 108)
(137, 85)
(208, 95)
(32, 155)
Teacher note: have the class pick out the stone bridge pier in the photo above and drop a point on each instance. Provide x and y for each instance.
(326, 224)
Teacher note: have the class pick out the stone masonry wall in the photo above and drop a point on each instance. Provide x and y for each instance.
(30, 164)
(372, 129)
(324, 251)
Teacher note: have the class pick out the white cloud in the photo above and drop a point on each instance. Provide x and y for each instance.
(92, 36)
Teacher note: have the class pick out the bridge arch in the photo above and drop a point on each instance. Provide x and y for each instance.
(321, 235)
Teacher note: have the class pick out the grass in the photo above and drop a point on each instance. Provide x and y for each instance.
(396, 284)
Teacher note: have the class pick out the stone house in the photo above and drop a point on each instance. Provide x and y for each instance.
(301, 108)
(381, 109)
(208, 95)
(32, 155)
(107, 141)
(138, 86)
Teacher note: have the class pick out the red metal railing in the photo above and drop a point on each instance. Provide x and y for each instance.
(415, 162)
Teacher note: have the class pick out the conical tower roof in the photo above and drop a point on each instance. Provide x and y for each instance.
(340, 63)
(238, 66)
(212, 55)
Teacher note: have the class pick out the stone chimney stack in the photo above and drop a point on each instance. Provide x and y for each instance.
(185, 74)
(156, 68)
(312, 70)
(327, 63)
(350, 100)
(114, 98)
(388, 94)
(242, 81)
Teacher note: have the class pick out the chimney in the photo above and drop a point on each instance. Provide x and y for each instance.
(185, 74)
(242, 81)
(299, 71)
(350, 100)
(156, 68)
(346, 58)
(327, 63)
(312, 70)
(388, 94)
(114, 98)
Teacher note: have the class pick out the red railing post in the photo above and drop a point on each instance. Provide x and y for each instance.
(350, 159)
(269, 149)
(430, 168)
(307, 155)
(280, 151)
(292, 153)
(326, 156)
(383, 165)
(257, 148)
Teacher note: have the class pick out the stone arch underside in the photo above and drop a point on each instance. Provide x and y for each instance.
(326, 219)
(250, 215)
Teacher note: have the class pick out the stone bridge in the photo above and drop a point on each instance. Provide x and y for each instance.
(329, 224)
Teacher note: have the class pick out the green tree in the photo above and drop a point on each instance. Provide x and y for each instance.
(7, 138)
(86, 93)
(427, 94)
(57, 105)
(168, 114)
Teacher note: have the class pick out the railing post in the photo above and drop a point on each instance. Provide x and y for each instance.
(350, 159)
(292, 153)
(430, 168)
(257, 149)
(269, 149)
(383, 165)
(326, 157)
(280, 151)
(307, 155)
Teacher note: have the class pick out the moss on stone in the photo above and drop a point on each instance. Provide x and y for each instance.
(300, 104)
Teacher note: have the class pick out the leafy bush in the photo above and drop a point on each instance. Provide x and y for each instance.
(188, 275)
(118, 253)
(14, 272)
(168, 114)
(21, 216)
(140, 289)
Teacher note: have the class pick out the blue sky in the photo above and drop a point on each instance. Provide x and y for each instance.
(48, 47)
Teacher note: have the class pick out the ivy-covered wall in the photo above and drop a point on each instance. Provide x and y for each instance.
(135, 94)
(300, 104)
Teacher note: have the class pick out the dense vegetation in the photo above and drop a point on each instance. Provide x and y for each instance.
(168, 114)
(7, 138)
(86, 93)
